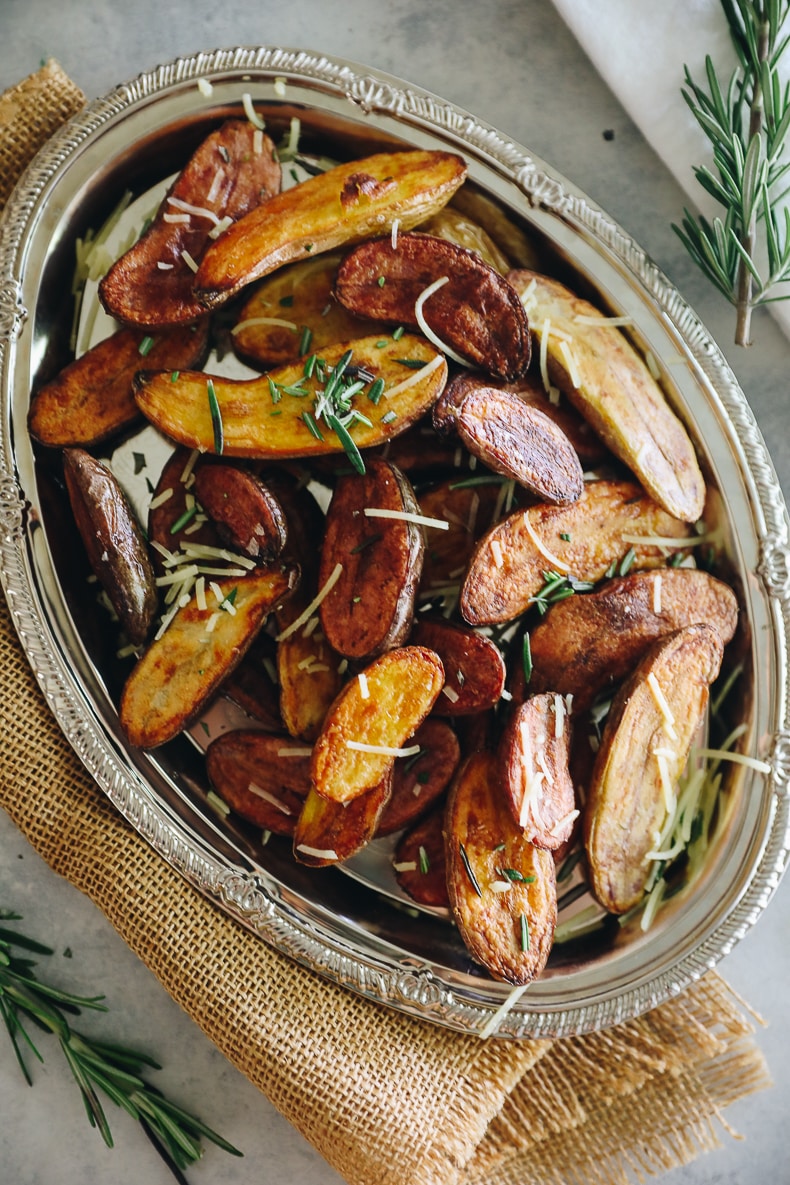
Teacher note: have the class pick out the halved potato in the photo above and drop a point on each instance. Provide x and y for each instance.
(502, 888)
(587, 642)
(644, 747)
(474, 670)
(92, 399)
(263, 417)
(232, 172)
(328, 832)
(293, 312)
(263, 778)
(343, 205)
(370, 607)
(112, 537)
(533, 761)
(470, 306)
(452, 224)
(509, 564)
(603, 375)
(372, 719)
(245, 512)
(182, 669)
(418, 782)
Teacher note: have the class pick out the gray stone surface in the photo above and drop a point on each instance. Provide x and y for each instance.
(515, 65)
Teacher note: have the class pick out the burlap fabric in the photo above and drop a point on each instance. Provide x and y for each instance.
(384, 1098)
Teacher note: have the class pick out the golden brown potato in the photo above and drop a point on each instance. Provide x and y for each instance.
(181, 670)
(486, 213)
(116, 549)
(309, 676)
(261, 417)
(328, 832)
(521, 442)
(231, 173)
(533, 763)
(474, 670)
(502, 888)
(418, 782)
(246, 513)
(420, 865)
(509, 563)
(370, 607)
(471, 307)
(343, 205)
(372, 719)
(92, 399)
(263, 778)
(587, 642)
(293, 312)
(644, 748)
(451, 224)
(611, 385)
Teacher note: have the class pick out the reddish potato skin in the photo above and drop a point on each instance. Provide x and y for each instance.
(529, 737)
(476, 312)
(237, 760)
(371, 607)
(474, 669)
(418, 783)
(427, 887)
(116, 549)
(92, 399)
(247, 515)
(164, 517)
(252, 687)
(135, 290)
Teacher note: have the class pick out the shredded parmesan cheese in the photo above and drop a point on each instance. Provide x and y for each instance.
(663, 706)
(451, 694)
(416, 377)
(318, 853)
(493, 1022)
(571, 364)
(559, 716)
(500, 886)
(259, 792)
(298, 622)
(425, 327)
(545, 330)
(250, 112)
(496, 551)
(364, 690)
(177, 218)
(188, 208)
(406, 866)
(188, 260)
(762, 767)
(544, 551)
(164, 267)
(383, 750)
(407, 517)
(160, 499)
(394, 239)
(264, 321)
(216, 185)
(205, 87)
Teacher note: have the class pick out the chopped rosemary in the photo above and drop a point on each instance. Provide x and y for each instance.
(411, 363)
(526, 658)
(627, 562)
(524, 931)
(139, 462)
(367, 542)
(345, 438)
(216, 418)
(183, 519)
(425, 863)
(470, 871)
(311, 424)
(305, 340)
(376, 391)
(513, 874)
(145, 346)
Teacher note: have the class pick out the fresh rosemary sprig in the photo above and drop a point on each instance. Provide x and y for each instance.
(745, 254)
(97, 1066)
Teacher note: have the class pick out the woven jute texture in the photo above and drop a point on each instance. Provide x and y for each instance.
(386, 1099)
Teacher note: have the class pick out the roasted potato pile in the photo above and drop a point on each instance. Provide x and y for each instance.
(449, 519)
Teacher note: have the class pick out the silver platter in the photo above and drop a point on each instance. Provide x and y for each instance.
(337, 925)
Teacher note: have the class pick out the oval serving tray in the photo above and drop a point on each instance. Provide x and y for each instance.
(353, 928)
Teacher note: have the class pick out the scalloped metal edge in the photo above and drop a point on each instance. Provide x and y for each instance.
(411, 987)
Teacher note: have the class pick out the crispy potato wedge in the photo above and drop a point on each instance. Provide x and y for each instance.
(256, 424)
(473, 309)
(451, 224)
(173, 515)
(181, 671)
(328, 832)
(372, 718)
(245, 512)
(474, 670)
(225, 178)
(253, 684)
(371, 606)
(644, 747)
(609, 382)
(293, 302)
(520, 442)
(263, 778)
(343, 205)
(589, 448)
(420, 865)
(420, 781)
(509, 238)
(469, 511)
(533, 764)
(588, 642)
(309, 678)
(502, 888)
(116, 549)
(92, 399)
(509, 563)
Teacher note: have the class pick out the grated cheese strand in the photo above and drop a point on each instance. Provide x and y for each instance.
(407, 516)
(663, 706)
(304, 616)
(264, 321)
(382, 750)
(425, 327)
(416, 377)
(319, 853)
(259, 792)
(493, 1022)
(544, 551)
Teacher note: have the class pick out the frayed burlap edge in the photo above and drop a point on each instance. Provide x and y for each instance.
(386, 1100)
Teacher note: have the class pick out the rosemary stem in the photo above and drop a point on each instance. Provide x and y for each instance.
(743, 321)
